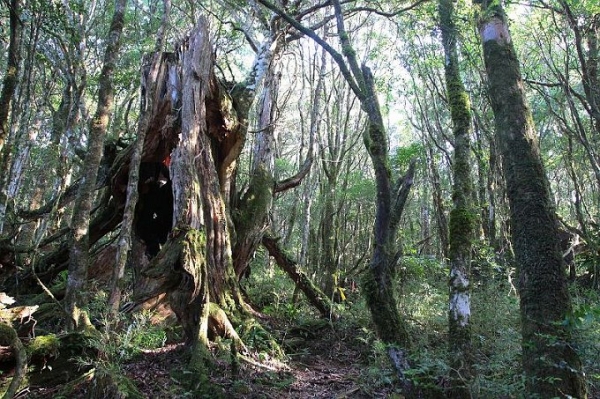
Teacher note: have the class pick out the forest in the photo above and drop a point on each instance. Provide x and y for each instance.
(300, 199)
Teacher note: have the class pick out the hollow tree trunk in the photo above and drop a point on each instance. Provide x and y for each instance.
(552, 367)
(194, 121)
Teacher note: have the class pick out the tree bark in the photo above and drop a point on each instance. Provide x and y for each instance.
(11, 77)
(9, 86)
(552, 367)
(79, 256)
(194, 118)
(252, 216)
(462, 216)
(148, 109)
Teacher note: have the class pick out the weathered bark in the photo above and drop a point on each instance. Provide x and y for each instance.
(191, 297)
(79, 256)
(314, 295)
(462, 216)
(552, 367)
(252, 216)
(194, 265)
(9, 86)
(11, 77)
(148, 108)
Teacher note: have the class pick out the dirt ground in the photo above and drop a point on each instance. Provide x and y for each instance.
(322, 362)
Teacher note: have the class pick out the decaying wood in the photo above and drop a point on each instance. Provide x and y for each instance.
(199, 125)
(314, 295)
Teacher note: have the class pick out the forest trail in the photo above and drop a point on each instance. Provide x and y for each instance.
(326, 362)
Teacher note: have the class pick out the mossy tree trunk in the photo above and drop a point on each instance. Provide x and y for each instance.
(314, 295)
(11, 76)
(251, 216)
(8, 337)
(462, 216)
(551, 365)
(203, 129)
(199, 214)
(79, 252)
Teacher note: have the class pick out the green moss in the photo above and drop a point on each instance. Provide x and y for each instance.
(44, 345)
(195, 241)
(7, 334)
(461, 227)
(384, 311)
(348, 51)
(459, 105)
(256, 203)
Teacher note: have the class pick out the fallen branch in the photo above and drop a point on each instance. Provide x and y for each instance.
(314, 295)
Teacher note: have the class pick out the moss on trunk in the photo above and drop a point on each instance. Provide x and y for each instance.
(551, 365)
(314, 295)
(384, 310)
(462, 217)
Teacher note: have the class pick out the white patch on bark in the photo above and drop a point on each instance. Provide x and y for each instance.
(460, 300)
(174, 86)
(460, 308)
(495, 29)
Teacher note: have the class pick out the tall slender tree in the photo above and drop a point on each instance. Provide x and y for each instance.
(80, 222)
(551, 365)
(462, 216)
(9, 86)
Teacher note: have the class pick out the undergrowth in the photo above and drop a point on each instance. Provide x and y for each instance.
(422, 297)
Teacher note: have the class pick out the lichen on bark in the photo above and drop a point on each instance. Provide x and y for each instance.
(552, 367)
(462, 216)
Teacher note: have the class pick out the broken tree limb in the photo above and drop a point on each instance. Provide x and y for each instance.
(314, 295)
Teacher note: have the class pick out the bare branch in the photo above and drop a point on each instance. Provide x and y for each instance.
(295, 180)
(389, 14)
(337, 57)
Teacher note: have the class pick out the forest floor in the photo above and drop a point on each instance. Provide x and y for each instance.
(322, 361)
